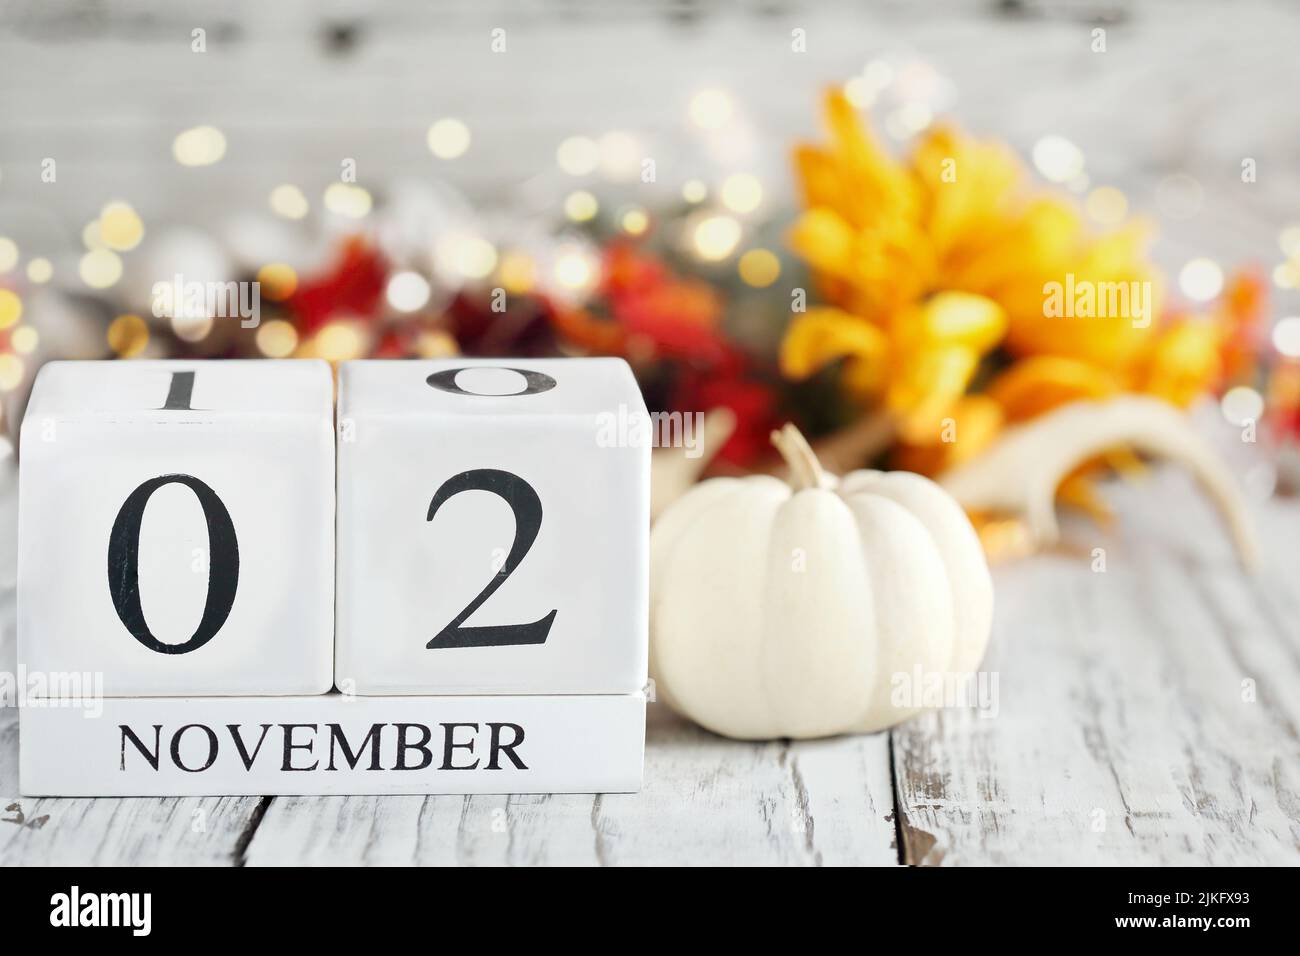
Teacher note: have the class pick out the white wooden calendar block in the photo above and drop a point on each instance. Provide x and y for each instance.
(331, 744)
(493, 527)
(176, 526)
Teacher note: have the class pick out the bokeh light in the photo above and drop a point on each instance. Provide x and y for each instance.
(470, 256)
(575, 270)
(127, 335)
(277, 338)
(635, 221)
(120, 227)
(11, 308)
(581, 206)
(1286, 336)
(578, 155)
(1200, 279)
(191, 328)
(1107, 205)
(24, 339)
(620, 156)
(517, 273)
(759, 268)
(347, 199)
(1058, 159)
(277, 281)
(8, 253)
(12, 370)
(715, 237)
(1242, 404)
(100, 268)
(407, 291)
(436, 343)
(711, 109)
(90, 235)
(741, 192)
(1289, 241)
(339, 341)
(448, 138)
(40, 270)
(199, 146)
(288, 201)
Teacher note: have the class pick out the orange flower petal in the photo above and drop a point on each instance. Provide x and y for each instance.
(824, 335)
(1036, 385)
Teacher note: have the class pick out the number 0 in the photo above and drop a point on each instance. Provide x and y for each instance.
(534, 382)
(124, 564)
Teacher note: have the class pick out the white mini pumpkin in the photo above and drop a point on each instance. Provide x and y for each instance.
(785, 609)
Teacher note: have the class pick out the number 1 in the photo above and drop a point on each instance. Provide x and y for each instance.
(180, 393)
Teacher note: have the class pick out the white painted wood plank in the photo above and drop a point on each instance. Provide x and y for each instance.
(706, 800)
(100, 832)
(103, 91)
(710, 800)
(1122, 735)
(574, 744)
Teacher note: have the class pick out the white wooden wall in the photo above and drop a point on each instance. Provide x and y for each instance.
(103, 87)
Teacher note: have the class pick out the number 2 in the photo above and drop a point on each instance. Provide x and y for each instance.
(527, 508)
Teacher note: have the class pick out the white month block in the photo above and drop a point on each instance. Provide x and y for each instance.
(176, 527)
(493, 527)
(331, 744)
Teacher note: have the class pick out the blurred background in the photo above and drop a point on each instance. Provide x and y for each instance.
(424, 179)
(848, 215)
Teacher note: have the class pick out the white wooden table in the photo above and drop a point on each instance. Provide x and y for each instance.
(1121, 736)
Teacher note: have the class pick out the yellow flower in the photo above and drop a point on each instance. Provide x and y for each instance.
(1094, 299)
(888, 242)
(1183, 358)
(974, 421)
(946, 270)
(937, 348)
(968, 188)
(862, 232)
(917, 366)
(1039, 384)
(821, 336)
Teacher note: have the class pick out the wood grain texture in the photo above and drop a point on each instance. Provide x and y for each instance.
(1124, 733)
(138, 831)
(705, 799)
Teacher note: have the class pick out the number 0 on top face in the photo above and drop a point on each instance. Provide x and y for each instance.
(176, 527)
(493, 524)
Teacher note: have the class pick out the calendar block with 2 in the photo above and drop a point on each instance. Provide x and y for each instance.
(493, 528)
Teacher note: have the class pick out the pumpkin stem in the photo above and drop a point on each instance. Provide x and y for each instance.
(805, 470)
